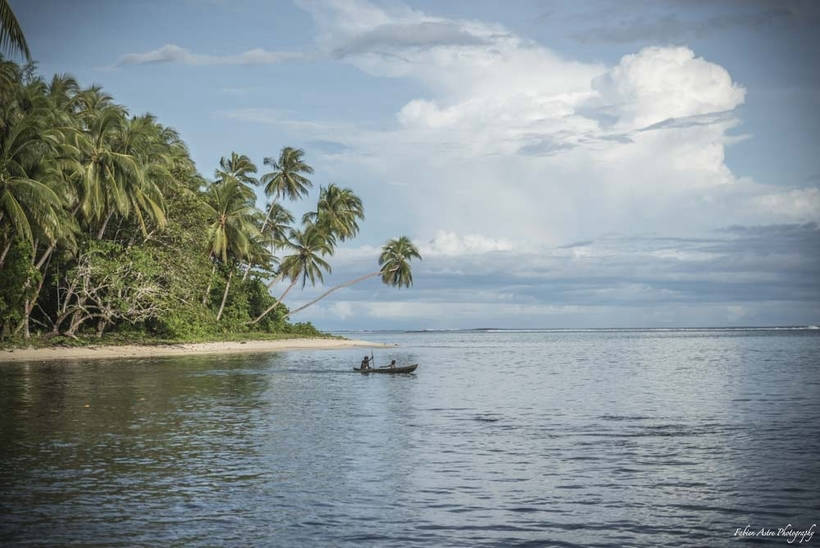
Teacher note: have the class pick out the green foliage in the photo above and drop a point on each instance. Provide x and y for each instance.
(302, 328)
(107, 229)
(259, 299)
(11, 35)
(184, 323)
(394, 262)
(14, 275)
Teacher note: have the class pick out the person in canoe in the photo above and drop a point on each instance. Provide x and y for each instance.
(393, 364)
(365, 363)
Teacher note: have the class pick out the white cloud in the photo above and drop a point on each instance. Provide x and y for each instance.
(515, 142)
(738, 275)
(662, 83)
(797, 205)
(171, 53)
(450, 243)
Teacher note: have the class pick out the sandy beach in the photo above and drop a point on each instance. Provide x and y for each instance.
(143, 351)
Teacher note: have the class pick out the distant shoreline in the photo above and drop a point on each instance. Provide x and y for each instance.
(181, 349)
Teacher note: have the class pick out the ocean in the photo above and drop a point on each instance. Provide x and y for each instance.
(658, 437)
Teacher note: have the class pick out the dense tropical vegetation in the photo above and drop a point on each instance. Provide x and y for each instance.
(106, 226)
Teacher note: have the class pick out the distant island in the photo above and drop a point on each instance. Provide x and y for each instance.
(110, 235)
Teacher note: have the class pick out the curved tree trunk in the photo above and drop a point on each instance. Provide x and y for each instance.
(271, 307)
(334, 288)
(30, 301)
(101, 327)
(225, 295)
(267, 217)
(264, 226)
(101, 233)
(46, 254)
(276, 280)
(208, 290)
(5, 252)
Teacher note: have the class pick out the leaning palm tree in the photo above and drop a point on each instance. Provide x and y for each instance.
(394, 268)
(338, 212)
(11, 35)
(306, 263)
(233, 231)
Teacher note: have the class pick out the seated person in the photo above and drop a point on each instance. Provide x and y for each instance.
(393, 363)
(366, 363)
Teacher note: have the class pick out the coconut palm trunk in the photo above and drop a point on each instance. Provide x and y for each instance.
(101, 232)
(31, 301)
(264, 226)
(276, 280)
(247, 271)
(335, 288)
(271, 307)
(208, 289)
(5, 252)
(224, 296)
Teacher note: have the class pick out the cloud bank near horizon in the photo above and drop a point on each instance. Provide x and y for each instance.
(732, 276)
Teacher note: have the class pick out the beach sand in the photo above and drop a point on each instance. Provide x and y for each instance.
(143, 351)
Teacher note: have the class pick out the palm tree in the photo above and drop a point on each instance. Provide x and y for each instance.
(117, 164)
(32, 195)
(233, 233)
(338, 212)
(139, 139)
(275, 233)
(395, 262)
(394, 268)
(62, 92)
(279, 225)
(92, 100)
(104, 173)
(9, 79)
(11, 35)
(286, 179)
(29, 205)
(237, 167)
(306, 263)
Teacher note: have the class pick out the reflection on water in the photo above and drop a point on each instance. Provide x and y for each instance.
(634, 437)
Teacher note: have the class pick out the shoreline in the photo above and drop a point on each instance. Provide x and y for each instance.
(180, 349)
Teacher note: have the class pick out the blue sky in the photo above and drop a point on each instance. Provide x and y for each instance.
(587, 164)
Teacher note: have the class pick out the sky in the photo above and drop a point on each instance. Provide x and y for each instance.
(632, 163)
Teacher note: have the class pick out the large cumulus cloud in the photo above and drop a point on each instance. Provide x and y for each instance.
(512, 150)
(513, 140)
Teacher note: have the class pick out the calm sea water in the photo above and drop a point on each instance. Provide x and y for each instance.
(653, 438)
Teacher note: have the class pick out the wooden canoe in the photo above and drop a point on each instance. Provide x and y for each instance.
(402, 369)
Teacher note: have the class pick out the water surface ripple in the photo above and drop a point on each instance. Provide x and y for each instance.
(587, 438)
